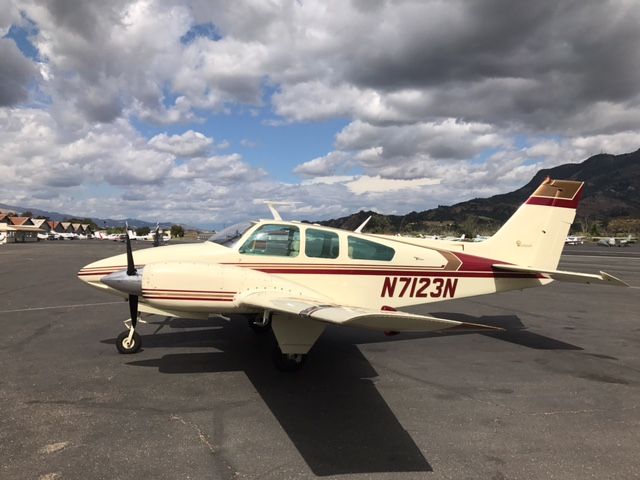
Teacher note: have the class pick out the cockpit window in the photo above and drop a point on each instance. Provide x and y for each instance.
(321, 244)
(228, 236)
(276, 240)
(361, 249)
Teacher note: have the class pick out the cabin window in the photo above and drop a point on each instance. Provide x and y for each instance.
(275, 240)
(321, 244)
(360, 249)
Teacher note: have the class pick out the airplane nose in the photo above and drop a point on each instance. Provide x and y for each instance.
(130, 284)
(93, 272)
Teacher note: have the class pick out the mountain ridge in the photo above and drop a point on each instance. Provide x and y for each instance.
(612, 192)
(100, 222)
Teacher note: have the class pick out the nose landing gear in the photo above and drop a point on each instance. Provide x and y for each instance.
(129, 342)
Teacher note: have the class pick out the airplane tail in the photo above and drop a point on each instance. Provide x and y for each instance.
(535, 234)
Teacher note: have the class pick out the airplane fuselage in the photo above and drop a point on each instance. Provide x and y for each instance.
(208, 277)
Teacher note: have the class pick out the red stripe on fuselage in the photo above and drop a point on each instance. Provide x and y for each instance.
(199, 299)
(415, 273)
(187, 291)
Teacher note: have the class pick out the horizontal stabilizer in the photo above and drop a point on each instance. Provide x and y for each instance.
(563, 276)
(360, 317)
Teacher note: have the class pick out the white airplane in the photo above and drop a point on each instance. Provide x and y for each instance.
(574, 240)
(296, 278)
(156, 236)
(616, 241)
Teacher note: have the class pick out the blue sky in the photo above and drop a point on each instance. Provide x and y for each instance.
(192, 112)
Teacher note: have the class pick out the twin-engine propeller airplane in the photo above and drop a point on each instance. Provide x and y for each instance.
(296, 278)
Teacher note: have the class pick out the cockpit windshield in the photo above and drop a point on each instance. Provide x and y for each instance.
(230, 235)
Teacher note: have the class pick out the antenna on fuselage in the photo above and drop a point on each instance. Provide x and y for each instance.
(272, 208)
(362, 225)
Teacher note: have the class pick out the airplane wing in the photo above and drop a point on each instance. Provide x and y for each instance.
(353, 316)
(564, 276)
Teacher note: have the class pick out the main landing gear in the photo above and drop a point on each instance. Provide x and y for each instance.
(260, 322)
(288, 362)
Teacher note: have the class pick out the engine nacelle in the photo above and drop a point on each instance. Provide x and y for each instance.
(200, 287)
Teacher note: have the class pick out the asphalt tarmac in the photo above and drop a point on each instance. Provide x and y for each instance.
(556, 395)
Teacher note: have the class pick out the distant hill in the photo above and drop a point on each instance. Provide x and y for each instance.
(100, 222)
(611, 201)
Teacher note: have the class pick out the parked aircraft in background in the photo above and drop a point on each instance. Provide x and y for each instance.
(481, 238)
(296, 278)
(574, 240)
(616, 241)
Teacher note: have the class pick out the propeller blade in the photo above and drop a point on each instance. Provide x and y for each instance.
(131, 268)
(156, 236)
(133, 309)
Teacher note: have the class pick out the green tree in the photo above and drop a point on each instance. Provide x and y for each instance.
(28, 213)
(143, 231)
(177, 231)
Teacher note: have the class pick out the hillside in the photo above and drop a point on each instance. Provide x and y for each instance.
(611, 203)
(100, 222)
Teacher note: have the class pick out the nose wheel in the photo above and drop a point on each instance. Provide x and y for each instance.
(129, 342)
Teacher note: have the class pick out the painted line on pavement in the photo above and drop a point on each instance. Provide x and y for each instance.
(59, 306)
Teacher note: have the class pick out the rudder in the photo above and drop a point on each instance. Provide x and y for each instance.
(534, 236)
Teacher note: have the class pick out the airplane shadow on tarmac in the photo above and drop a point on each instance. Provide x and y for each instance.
(331, 409)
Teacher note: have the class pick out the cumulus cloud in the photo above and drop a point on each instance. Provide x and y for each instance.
(34, 153)
(189, 144)
(365, 184)
(441, 97)
(323, 166)
(15, 73)
(219, 168)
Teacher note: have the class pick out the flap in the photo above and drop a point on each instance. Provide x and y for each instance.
(355, 316)
(563, 276)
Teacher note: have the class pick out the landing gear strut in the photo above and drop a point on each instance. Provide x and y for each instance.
(260, 322)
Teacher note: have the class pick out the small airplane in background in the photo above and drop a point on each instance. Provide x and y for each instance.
(616, 241)
(155, 236)
(296, 278)
(574, 240)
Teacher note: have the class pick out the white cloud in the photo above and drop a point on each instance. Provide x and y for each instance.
(189, 144)
(323, 166)
(218, 168)
(366, 184)
(432, 91)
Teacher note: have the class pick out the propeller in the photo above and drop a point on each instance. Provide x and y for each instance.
(156, 236)
(131, 271)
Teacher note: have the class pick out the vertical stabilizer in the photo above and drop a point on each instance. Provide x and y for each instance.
(534, 236)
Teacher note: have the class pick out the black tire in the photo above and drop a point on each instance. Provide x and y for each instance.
(136, 341)
(256, 327)
(287, 363)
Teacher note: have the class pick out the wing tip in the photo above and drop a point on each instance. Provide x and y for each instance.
(613, 280)
(467, 327)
